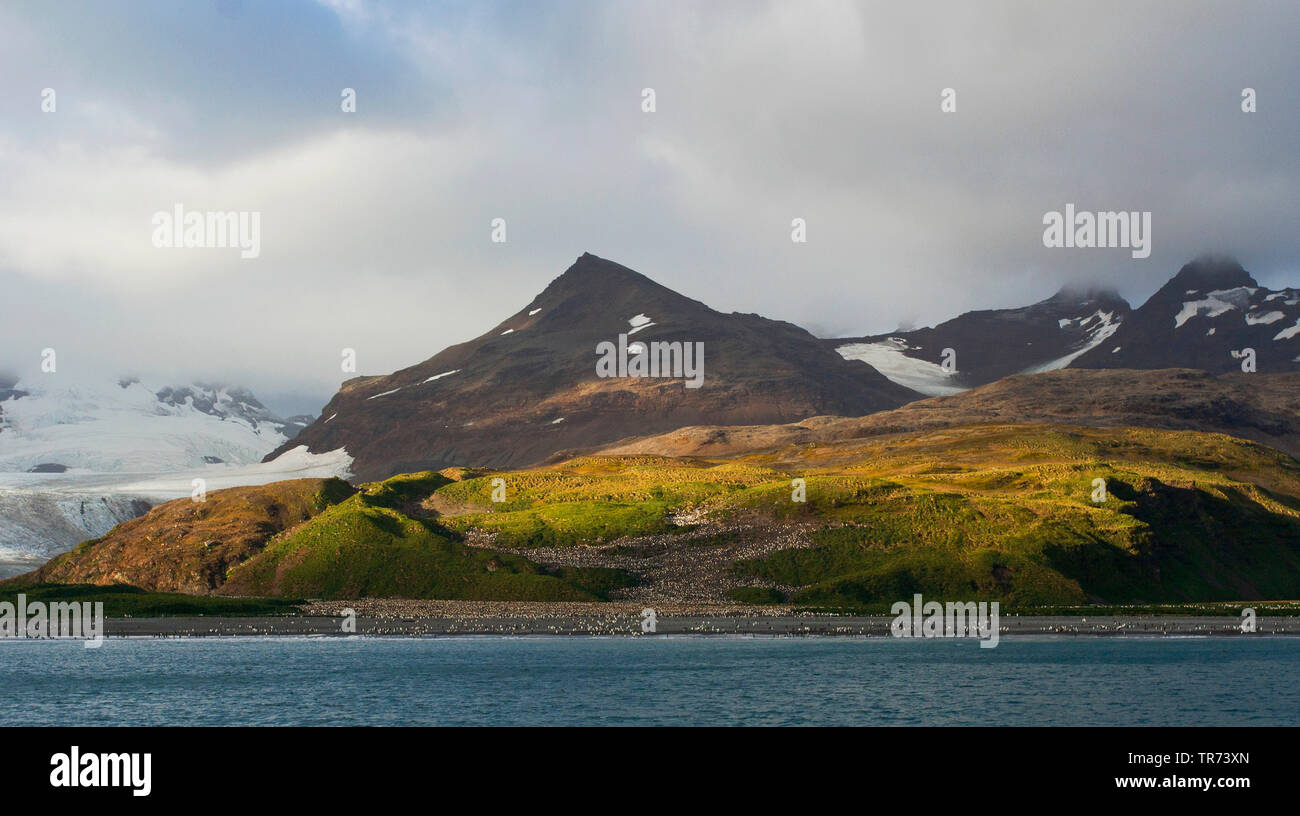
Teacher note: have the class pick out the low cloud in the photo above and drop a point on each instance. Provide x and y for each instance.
(375, 225)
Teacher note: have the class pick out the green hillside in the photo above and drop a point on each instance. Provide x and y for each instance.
(368, 546)
(981, 512)
(1000, 512)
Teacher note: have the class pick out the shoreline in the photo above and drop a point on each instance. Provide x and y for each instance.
(622, 623)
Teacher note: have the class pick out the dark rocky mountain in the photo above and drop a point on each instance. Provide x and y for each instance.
(528, 388)
(1204, 318)
(993, 343)
(9, 388)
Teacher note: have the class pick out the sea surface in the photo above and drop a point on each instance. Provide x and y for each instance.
(651, 681)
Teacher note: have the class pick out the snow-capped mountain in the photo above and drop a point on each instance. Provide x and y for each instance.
(1206, 317)
(532, 386)
(991, 344)
(121, 426)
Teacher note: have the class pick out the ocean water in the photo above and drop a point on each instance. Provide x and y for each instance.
(651, 681)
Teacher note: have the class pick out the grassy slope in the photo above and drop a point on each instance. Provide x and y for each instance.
(594, 499)
(976, 512)
(1007, 513)
(367, 546)
(985, 511)
(186, 546)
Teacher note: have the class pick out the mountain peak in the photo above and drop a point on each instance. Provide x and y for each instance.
(532, 386)
(594, 282)
(1204, 318)
(1086, 293)
(589, 269)
(1210, 273)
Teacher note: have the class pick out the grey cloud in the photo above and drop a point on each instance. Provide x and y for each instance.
(822, 110)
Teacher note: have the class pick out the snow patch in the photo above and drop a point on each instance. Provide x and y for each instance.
(638, 323)
(1216, 303)
(1213, 308)
(1289, 332)
(1264, 319)
(386, 393)
(888, 358)
(1106, 325)
(440, 376)
(557, 421)
(534, 311)
(507, 331)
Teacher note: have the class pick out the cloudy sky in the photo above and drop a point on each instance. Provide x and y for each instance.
(376, 225)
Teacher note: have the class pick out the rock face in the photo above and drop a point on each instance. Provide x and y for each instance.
(991, 344)
(1205, 317)
(528, 388)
